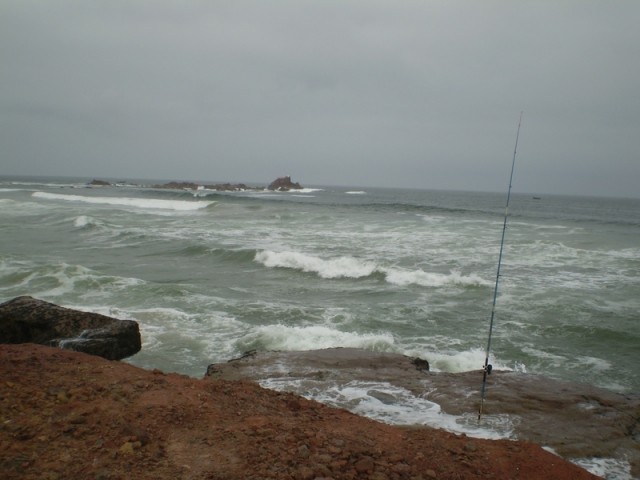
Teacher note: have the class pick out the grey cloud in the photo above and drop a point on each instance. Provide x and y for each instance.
(417, 94)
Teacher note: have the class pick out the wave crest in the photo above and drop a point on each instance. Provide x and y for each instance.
(284, 338)
(350, 267)
(148, 203)
(341, 267)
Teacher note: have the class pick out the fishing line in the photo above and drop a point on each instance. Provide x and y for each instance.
(488, 367)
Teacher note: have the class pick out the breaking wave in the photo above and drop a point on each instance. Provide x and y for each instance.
(148, 203)
(284, 338)
(350, 267)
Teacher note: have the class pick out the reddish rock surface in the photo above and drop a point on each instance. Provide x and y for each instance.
(70, 415)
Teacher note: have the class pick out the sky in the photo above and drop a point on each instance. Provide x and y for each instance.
(418, 94)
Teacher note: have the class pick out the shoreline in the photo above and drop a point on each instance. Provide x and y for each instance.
(69, 414)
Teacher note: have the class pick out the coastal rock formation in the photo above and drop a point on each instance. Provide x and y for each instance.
(228, 187)
(284, 184)
(178, 186)
(29, 320)
(281, 184)
(70, 415)
(223, 187)
(98, 183)
(576, 420)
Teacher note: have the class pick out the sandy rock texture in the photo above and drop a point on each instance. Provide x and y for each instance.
(68, 415)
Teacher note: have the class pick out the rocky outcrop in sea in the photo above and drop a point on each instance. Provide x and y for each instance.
(280, 184)
(284, 184)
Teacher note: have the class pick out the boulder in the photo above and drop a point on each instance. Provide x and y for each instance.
(29, 320)
(284, 184)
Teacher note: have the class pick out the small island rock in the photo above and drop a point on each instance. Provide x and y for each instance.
(284, 184)
(98, 183)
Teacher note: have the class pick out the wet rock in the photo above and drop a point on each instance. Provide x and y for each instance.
(421, 364)
(29, 320)
(383, 397)
(576, 420)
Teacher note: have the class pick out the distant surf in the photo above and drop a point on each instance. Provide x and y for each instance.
(149, 203)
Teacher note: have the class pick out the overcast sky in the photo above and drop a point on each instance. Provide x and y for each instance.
(388, 93)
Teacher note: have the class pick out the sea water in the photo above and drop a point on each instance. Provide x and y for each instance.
(209, 275)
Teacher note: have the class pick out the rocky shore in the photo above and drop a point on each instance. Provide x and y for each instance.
(68, 409)
(575, 420)
(68, 415)
(280, 184)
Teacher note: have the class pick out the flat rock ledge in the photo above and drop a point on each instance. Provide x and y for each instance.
(576, 420)
(29, 320)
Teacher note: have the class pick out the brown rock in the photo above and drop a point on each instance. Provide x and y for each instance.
(194, 431)
(364, 465)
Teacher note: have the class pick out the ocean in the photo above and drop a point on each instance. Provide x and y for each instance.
(210, 275)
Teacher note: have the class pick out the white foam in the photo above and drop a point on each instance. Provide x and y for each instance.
(285, 338)
(59, 279)
(393, 405)
(149, 203)
(465, 361)
(594, 363)
(293, 191)
(403, 278)
(356, 192)
(308, 190)
(350, 267)
(341, 267)
(609, 468)
(84, 221)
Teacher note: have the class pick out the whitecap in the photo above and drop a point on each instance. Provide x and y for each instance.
(307, 190)
(149, 203)
(285, 338)
(427, 279)
(356, 192)
(350, 267)
(465, 361)
(341, 267)
(84, 221)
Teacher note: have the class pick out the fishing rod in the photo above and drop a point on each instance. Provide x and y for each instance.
(487, 367)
